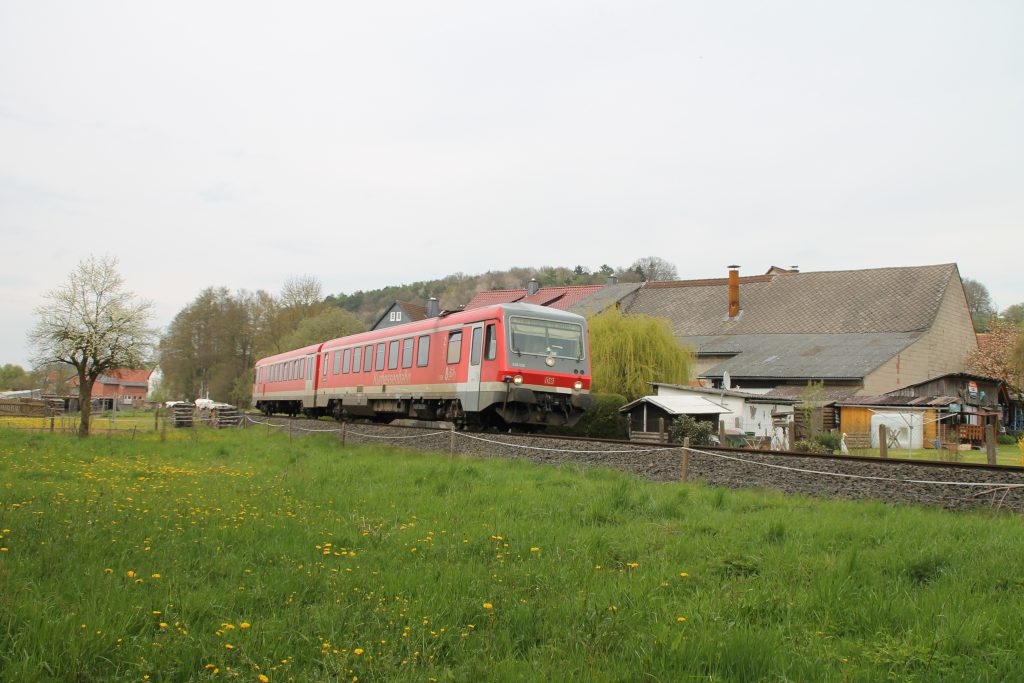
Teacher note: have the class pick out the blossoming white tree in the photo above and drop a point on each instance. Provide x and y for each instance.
(93, 324)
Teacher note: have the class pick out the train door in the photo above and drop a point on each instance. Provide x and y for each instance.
(309, 395)
(471, 394)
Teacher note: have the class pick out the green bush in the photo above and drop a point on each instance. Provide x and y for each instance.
(829, 441)
(810, 446)
(698, 431)
(602, 421)
(1006, 440)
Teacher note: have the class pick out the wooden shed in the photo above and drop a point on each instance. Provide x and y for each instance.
(651, 417)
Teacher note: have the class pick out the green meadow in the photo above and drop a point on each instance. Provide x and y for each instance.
(241, 555)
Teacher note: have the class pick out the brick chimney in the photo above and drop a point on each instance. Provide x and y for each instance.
(613, 279)
(532, 287)
(734, 291)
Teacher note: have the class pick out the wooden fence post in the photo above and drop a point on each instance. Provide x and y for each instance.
(156, 420)
(684, 473)
(990, 443)
(883, 441)
(661, 430)
(51, 424)
(451, 442)
(342, 435)
(289, 431)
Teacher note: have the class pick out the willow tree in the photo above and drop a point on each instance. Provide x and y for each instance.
(629, 352)
(93, 324)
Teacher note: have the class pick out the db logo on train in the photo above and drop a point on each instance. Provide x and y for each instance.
(549, 380)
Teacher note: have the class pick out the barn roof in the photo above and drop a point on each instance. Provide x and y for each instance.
(831, 325)
(877, 300)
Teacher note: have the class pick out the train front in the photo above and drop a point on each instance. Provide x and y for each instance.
(546, 373)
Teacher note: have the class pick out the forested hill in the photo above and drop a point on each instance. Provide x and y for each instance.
(455, 290)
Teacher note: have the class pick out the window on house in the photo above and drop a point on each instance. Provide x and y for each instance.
(454, 347)
(380, 357)
(423, 357)
(393, 355)
(346, 361)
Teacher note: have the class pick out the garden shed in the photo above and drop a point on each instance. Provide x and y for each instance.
(651, 417)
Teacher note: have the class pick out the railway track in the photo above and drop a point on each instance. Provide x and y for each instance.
(946, 484)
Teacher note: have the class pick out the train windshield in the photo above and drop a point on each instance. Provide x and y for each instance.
(546, 338)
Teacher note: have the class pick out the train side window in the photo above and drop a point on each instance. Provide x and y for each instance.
(423, 357)
(326, 361)
(301, 365)
(346, 360)
(368, 358)
(474, 347)
(379, 365)
(337, 362)
(393, 355)
(454, 347)
(491, 343)
(311, 372)
(357, 359)
(407, 345)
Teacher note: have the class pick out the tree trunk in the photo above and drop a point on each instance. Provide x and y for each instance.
(84, 403)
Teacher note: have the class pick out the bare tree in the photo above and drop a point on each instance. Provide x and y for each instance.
(93, 324)
(652, 268)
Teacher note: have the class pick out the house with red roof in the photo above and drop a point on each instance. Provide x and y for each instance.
(126, 387)
(582, 299)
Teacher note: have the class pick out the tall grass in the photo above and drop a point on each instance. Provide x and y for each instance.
(241, 554)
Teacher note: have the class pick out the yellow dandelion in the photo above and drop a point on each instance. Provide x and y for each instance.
(108, 570)
(263, 678)
(130, 574)
(488, 605)
(632, 565)
(680, 619)
(229, 646)
(245, 624)
(163, 624)
(358, 650)
(155, 576)
(534, 550)
(683, 574)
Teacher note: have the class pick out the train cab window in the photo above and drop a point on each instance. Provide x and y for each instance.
(346, 361)
(337, 362)
(474, 347)
(393, 355)
(368, 358)
(407, 345)
(454, 347)
(490, 343)
(357, 359)
(380, 357)
(423, 357)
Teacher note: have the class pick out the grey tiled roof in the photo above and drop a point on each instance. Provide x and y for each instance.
(810, 356)
(832, 302)
(604, 298)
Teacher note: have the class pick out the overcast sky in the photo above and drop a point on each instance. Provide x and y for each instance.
(375, 143)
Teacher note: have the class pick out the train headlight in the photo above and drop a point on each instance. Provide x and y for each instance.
(518, 379)
(550, 361)
(578, 385)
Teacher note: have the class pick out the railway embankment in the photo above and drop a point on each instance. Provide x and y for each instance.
(952, 486)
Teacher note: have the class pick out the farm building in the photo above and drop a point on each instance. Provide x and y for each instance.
(582, 299)
(858, 332)
(952, 409)
(123, 387)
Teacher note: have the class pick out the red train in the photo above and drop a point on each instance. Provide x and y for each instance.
(509, 364)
